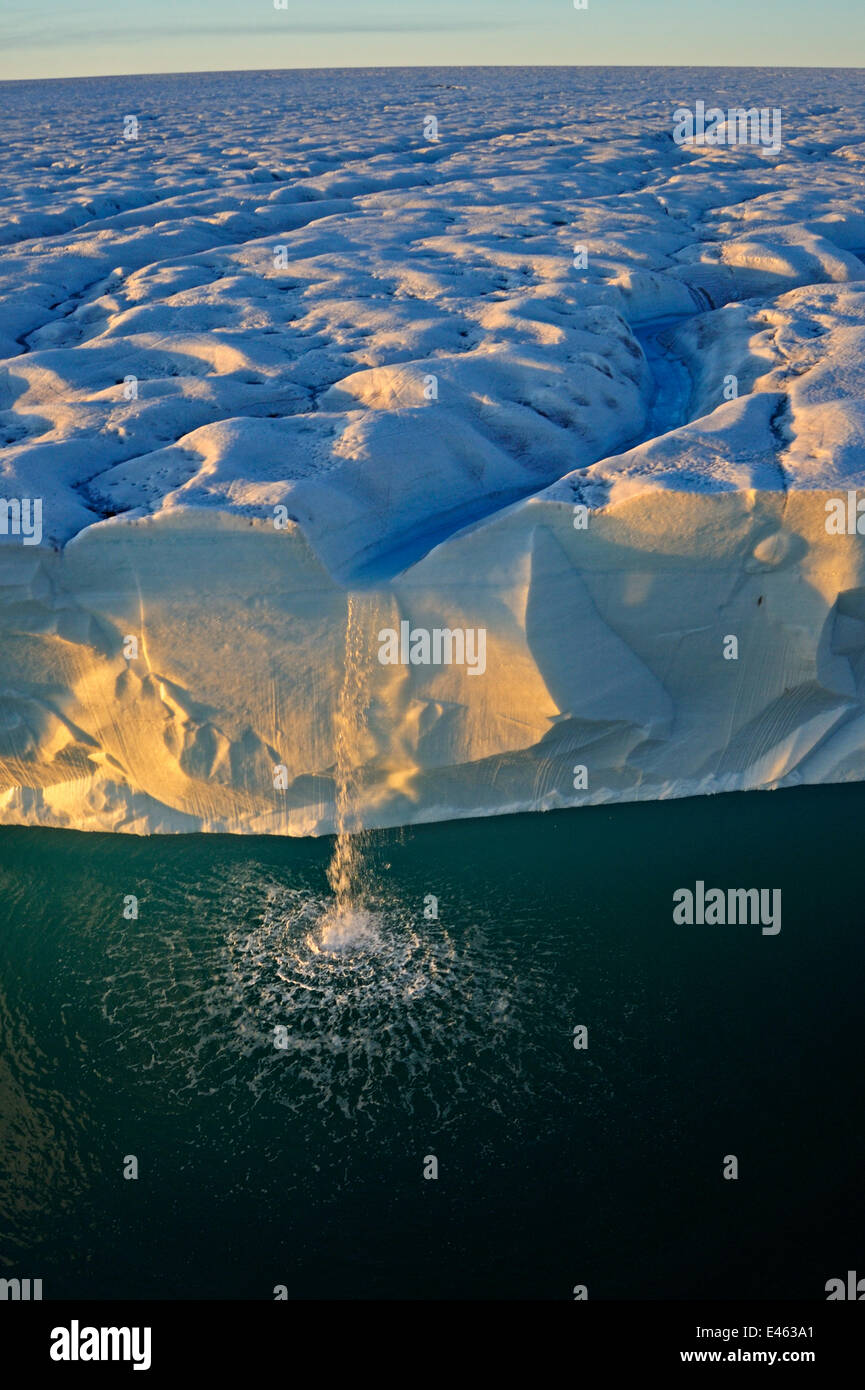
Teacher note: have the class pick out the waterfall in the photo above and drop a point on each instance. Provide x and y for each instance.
(345, 868)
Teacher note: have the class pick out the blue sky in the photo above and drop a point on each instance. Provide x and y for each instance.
(69, 38)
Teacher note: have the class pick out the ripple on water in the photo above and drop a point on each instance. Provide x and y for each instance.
(375, 1009)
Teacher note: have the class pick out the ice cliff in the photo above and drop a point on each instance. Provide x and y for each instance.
(282, 382)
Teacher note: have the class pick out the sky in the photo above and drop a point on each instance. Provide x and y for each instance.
(75, 38)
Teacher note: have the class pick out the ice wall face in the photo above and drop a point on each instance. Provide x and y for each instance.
(606, 482)
(606, 649)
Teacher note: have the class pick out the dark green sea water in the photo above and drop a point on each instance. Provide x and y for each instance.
(452, 1037)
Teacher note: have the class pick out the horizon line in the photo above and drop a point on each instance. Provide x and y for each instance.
(459, 67)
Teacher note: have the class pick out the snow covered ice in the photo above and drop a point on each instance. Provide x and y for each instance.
(552, 376)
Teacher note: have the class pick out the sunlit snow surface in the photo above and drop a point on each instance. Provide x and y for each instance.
(280, 293)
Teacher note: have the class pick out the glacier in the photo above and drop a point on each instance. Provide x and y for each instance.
(285, 374)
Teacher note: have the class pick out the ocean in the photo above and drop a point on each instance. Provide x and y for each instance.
(283, 1086)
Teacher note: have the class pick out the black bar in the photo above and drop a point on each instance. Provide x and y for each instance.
(241, 1337)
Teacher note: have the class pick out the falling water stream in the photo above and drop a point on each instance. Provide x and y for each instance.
(349, 923)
